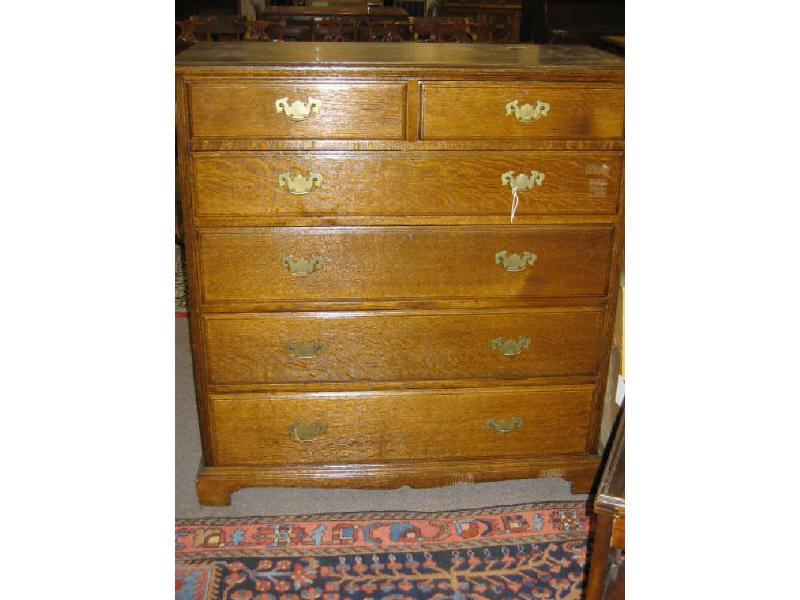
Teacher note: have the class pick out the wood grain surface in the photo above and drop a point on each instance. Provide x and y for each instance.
(460, 110)
(403, 183)
(215, 484)
(473, 145)
(334, 58)
(363, 263)
(347, 111)
(410, 142)
(401, 345)
(400, 425)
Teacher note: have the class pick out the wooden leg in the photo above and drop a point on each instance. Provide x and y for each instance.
(215, 492)
(582, 482)
(598, 565)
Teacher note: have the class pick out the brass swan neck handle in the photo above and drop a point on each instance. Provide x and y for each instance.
(297, 110)
(303, 267)
(510, 347)
(522, 182)
(307, 433)
(306, 350)
(503, 426)
(299, 185)
(514, 263)
(527, 113)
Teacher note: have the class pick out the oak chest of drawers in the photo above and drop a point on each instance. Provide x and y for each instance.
(364, 310)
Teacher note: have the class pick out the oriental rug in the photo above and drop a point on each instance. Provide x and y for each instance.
(528, 551)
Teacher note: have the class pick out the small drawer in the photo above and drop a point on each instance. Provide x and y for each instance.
(518, 110)
(399, 425)
(431, 345)
(304, 264)
(298, 111)
(403, 183)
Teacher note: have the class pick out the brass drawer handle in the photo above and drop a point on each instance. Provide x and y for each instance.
(515, 262)
(299, 185)
(297, 110)
(307, 433)
(302, 267)
(522, 182)
(527, 113)
(510, 347)
(306, 350)
(501, 426)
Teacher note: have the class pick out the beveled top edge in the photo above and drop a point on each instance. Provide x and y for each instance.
(267, 55)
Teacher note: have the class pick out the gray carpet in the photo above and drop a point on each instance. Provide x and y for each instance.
(292, 501)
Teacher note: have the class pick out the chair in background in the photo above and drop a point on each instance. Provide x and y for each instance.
(438, 29)
(262, 31)
(606, 579)
(500, 27)
(224, 26)
(388, 31)
(459, 31)
(354, 4)
(423, 29)
(190, 32)
(293, 30)
(334, 30)
(499, 20)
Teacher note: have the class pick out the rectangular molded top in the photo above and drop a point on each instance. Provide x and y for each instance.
(365, 54)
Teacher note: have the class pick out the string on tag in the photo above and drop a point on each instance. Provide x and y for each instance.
(514, 203)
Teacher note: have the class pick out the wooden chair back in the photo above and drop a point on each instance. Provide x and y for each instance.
(388, 31)
(444, 29)
(262, 31)
(334, 30)
(193, 31)
(190, 32)
(456, 30)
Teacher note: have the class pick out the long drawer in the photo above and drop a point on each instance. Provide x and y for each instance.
(402, 183)
(298, 111)
(521, 110)
(399, 425)
(296, 264)
(362, 346)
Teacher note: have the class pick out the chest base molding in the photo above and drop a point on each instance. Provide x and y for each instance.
(216, 484)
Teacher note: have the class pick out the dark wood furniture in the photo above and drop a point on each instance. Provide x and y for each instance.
(442, 29)
(583, 21)
(499, 21)
(388, 31)
(606, 574)
(262, 31)
(307, 23)
(611, 43)
(331, 12)
(364, 312)
(224, 27)
(190, 32)
(335, 30)
(414, 8)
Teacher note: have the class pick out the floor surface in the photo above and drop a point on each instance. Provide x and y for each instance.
(293, 501)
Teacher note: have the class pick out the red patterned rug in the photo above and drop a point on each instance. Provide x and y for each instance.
(527, 551)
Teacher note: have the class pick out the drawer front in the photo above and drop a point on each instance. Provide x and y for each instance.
(399, 425)
(401, 345)
(334, 111)
(296, 264)
(455, 110)
(400, 184)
